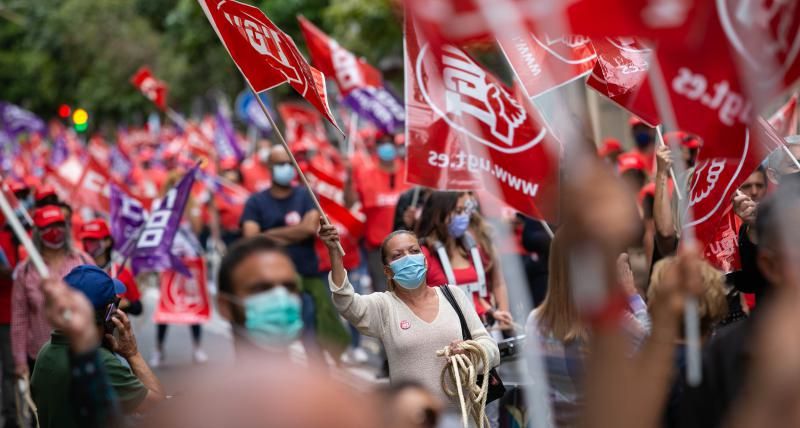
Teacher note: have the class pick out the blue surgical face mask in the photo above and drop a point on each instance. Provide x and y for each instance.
(387, 152)
(458, 225)
(283, 174)
(409, 271)
(273, 317)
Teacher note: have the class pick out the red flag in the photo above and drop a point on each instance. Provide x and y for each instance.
(301, 124)
(466, 128)
(152, 88)
(711, 190)
(785, 119)
(545, 63)
(184, 300)
(65, 177)
(265, 55)
(93, 189)
(349, 71)
(620, 73)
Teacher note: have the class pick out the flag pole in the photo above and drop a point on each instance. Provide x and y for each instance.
(294, 161)
(691, 321)
(16, 226)
(678, 192)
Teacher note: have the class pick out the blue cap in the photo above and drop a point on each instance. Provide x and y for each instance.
(96, 284)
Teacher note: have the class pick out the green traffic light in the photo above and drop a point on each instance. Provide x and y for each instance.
(81, 127)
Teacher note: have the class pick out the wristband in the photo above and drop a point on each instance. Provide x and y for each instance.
(609, 315)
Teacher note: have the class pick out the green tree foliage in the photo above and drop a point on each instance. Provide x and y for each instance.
(83, 52)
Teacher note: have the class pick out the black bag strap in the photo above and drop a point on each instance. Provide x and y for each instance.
(465, 333)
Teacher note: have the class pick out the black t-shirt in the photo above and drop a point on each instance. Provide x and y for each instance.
(270, 212)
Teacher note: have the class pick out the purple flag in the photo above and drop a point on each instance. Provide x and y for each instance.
(121, 164)
(379, 106)
(127, 216)
(152, 251)
(59, 151)
(15, 120)
(225, 138)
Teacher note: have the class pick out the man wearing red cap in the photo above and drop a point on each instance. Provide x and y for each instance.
(29, 327)
(97, 241)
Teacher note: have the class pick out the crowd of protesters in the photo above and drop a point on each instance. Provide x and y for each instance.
(428, 273)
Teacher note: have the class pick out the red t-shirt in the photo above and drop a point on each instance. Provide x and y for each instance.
(379, 199)
(255, 175)
(126, 277)
(437, 277)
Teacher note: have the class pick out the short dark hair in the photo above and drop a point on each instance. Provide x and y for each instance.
(238, 252)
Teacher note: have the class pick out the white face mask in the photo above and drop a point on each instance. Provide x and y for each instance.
(263, 154)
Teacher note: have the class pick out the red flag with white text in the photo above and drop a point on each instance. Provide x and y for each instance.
(545, 63)
(265, 55)
(349, 71)
(152, 88)
(620, 74)
(466, 130)
(711, 189)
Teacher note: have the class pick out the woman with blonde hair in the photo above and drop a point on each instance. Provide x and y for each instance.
(562, 334)
(712, 306)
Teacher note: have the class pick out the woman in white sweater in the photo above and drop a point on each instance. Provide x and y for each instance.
(411, 319)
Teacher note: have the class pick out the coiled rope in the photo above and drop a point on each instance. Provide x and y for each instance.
(463, 373)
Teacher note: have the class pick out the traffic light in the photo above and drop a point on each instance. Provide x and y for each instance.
(80, 119)
(64, 111)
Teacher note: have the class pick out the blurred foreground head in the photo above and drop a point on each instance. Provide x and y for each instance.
(270, 393)
(778, 232)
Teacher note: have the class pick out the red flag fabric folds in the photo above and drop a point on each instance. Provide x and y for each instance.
(152, 88)
(265, 55)
(466, 130)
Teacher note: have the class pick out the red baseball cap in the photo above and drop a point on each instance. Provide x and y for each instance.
(44, 191)
(629, 161)
(47, 215)
(95, 229)
(610, 145)
(16, 186)
(691, 142)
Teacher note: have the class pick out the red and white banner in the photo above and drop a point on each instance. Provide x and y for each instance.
(620, 74)
(711, 189)
(349, 71)
(545, 63)
(152, 88)
(184, 300)
(93, 190)
(265, 55)
(465, 130)
(784, 121)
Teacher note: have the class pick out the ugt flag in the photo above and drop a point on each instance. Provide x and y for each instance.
(152, 88)
(265, 55)
(184, 299)
(360, 84)
(152, 251)
(127, 216)
(15, 120)
(465, 129)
